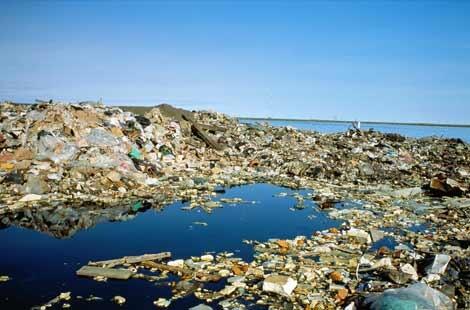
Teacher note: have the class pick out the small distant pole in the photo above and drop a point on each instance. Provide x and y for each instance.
(356, 125)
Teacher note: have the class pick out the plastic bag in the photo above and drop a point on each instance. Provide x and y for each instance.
(54, 149)
(100, 137)
(418, 296)
(135, 153)
(35, 115)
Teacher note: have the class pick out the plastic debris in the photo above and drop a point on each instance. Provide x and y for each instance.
(30, 197)
(439, 264)
(201, 307)
(278, 284)
(162, 303)
(135, 153)
(403, 202)
(119, 300)
(4, 279)
(417, 297)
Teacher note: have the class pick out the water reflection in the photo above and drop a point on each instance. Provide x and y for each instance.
(64, 222)
(42, 266)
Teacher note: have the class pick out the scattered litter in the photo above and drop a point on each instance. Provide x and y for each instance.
(416, 296)
(404, 202)
(119, 300)
(4, 279)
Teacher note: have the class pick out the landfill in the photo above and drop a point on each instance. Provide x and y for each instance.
(404, 202)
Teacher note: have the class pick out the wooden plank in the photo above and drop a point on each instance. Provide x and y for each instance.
(198, 275)
(147, 257)
(131, 259)
(199, 132)
(164, 267)
(91, 271)
(212, 128)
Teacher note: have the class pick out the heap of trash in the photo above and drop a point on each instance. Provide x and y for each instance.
(332, 269)
(404, 202)
(91, 152)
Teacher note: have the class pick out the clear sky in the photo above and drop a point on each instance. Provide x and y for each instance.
(390, 61)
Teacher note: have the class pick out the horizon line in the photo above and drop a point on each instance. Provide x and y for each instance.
(352, 121)
(319, 120)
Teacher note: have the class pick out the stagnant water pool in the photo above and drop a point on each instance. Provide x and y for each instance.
(42, 265)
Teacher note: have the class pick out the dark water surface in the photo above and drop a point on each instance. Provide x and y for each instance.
(415, 131)
(42, 266)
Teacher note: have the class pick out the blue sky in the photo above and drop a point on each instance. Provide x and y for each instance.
(390, 61)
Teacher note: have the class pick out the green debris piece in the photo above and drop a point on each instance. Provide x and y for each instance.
(394, 303)
(418, 296)
(137, 206)
(135, 153)
(165, 150)
(199, 180)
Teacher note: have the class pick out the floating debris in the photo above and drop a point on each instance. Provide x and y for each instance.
(162, 303)
(62, 297)
(4, 279)
(327, 270)
(119, 300)
(403, 202)
(109, 273)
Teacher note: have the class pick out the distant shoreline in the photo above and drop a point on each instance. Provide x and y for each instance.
(349, 122)
(143, 109)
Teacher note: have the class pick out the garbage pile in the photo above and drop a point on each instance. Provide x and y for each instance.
(332, 269)
(87, 151)
(405, 202)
